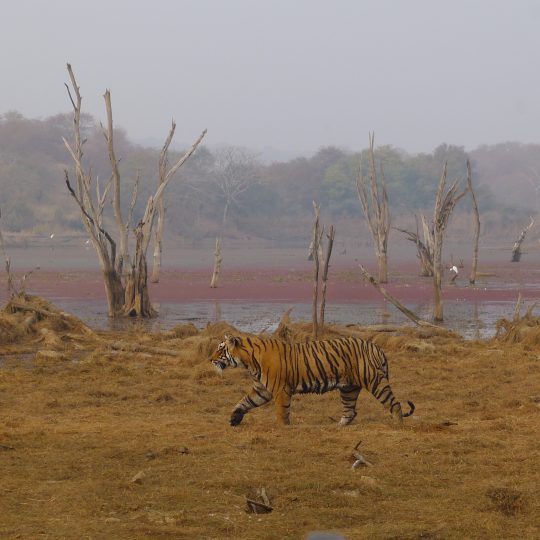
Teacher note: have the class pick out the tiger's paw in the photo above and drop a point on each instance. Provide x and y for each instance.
(236, 417)
(346, 420)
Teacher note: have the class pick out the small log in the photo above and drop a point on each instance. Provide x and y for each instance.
(360, 460)
(256, 507)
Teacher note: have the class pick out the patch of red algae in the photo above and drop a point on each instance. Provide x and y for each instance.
(294, 285)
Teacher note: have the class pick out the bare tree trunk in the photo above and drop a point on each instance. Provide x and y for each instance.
(328, 254)
(375, 208)
(10, 277)
(516, 251)
(429, 242)
(444, 204)
(162, 173)
(474, 266)
(158, 246)
(122, 255)
(131, 299)
(217, 264)
(437, 280)
(114, 291)
(137, 301)
(156, 266)
(316, 243)
(383, 266)
(217, 252)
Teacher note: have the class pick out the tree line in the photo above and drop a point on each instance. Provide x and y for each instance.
(277, 200)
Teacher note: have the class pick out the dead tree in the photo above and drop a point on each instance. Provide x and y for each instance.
(516, 251)
(217, 263)
(315, 242)
(444, 204)
(235, 171)
(423, 248)
(160, 222)
(474, 266)
(126, 289)
(374, 202)
(328, 253)
(7, 260)
(316, 256)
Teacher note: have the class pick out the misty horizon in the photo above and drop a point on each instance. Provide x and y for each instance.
(289, 77)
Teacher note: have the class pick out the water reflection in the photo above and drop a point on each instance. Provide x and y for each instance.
(217, 312)
(472, 320)
(382, 313)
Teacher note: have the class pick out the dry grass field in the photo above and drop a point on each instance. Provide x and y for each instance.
(126, 435)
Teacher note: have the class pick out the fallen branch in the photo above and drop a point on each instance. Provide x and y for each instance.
(376, 327)
(407, 312)
(14, 306)
(130, 347)
(256, 507)
(264, 497)
(360, 460)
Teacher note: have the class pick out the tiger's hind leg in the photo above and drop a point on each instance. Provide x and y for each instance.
(349, 396)
(383, 392)
(258, 396)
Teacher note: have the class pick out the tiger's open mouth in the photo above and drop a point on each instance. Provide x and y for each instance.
(219, 365)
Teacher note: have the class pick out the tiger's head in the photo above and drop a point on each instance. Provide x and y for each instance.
(226, 354)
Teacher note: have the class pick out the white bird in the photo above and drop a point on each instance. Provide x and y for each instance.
(52, 235)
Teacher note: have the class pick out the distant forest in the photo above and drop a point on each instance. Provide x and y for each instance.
(278, 206)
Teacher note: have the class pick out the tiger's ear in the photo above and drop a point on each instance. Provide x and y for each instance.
(233, 341)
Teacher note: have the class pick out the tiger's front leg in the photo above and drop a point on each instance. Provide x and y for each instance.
(283, 407)
(258, 396)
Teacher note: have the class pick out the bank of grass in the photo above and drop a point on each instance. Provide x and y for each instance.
(126, 435)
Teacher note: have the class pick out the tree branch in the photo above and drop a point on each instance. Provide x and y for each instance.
(407, 312)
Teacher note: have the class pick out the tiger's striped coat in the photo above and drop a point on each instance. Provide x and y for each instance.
(280, 370)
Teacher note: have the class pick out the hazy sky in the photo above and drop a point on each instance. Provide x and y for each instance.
(292, 75)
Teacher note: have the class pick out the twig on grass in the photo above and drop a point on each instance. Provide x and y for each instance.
(360, 459)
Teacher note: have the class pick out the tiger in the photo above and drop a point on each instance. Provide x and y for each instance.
(279, 370)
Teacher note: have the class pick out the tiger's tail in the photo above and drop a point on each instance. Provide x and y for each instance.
(411, 411)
